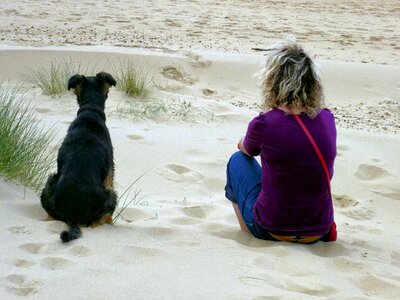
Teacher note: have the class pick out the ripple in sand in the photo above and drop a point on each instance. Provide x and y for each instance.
(56, 263)
(370, 172)
(21, 285)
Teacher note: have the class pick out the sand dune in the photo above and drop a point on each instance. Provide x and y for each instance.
(182, 240)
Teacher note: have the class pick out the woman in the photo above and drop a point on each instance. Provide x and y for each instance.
(288, 198)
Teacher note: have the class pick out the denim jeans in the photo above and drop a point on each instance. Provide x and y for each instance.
(243, 187)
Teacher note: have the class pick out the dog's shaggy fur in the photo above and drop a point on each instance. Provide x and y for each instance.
(81, 192)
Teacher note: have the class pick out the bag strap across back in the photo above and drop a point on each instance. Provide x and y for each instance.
(317, 151)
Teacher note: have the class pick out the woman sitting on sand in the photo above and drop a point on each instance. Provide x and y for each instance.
(288, 198)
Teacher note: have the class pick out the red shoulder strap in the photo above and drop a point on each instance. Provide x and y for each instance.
(314, 144)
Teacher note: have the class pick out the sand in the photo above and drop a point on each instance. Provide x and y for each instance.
(180, 239)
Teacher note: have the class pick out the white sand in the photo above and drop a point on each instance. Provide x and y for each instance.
(182, 240)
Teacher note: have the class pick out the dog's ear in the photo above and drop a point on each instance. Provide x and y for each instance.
(75, 80)
(106, 78)
(107, 81)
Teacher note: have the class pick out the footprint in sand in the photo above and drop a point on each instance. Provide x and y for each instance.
(193, 214)
(329, 250)
(321, 291)
(370, 172)
(33, 248)
(344, 201)
(395, 258)
(41, 248)
(158, 233)
(133, 214)
(351, 208)
(138, 138)
(198, 61)
(23, 263)
(56, 263)
(20, 230)
(208, 92)
(344, 264)
(176, 74)
(135, 137)
(198, 211)
(80, 251)
(180, 173)
(236, 235)
(21, 285)
(371, 285)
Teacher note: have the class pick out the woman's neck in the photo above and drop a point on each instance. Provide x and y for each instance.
(288, 110)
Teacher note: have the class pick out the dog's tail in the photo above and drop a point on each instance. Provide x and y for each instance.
(74, 232)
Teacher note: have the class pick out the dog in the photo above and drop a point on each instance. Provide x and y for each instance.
(81, 192)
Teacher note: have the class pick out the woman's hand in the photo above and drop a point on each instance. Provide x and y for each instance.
(240, 146)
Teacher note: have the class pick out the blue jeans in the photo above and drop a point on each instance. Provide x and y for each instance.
(243, 186)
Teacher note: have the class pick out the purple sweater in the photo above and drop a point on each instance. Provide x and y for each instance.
(294, 198)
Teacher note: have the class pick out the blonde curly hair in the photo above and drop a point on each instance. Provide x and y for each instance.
(291, 80)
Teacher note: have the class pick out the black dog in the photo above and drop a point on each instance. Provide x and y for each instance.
(81, 192)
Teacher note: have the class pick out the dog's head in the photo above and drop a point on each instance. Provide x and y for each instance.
(92, 89)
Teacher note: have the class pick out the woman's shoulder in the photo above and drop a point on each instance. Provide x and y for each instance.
(263, 117)
(326, 113)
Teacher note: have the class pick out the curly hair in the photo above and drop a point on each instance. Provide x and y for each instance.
(291, 80)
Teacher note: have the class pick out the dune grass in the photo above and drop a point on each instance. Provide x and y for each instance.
(133, 79)
(23, 142)
(52, 79)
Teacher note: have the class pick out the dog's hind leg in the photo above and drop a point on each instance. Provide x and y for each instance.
(108, 209)
(111, 204)
(47, 197)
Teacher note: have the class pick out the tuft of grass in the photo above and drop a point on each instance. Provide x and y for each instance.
(127, 199)
(52, 79)
(23, 142)
(133, 79)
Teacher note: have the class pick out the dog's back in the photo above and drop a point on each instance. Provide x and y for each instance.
(78, 194)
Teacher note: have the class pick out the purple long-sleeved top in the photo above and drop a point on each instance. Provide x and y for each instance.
(295, 198)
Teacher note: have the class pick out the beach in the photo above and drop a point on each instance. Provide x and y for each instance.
(179, 238)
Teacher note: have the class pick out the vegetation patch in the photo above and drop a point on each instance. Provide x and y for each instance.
(24, 154)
